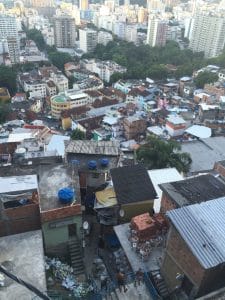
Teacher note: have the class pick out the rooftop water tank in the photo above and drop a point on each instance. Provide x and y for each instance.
(66, 195)
(20, 152)
(92, 165)
(75, 162)
(104, 162)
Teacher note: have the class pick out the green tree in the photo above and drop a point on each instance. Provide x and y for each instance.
(205, 77)
(4, 111)
(58, 59)
(159, 154)
(77, 134)
(8, 78)
(36, 36)
(115, 77)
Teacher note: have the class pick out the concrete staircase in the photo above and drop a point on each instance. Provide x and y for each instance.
(76, 257)
(160, 284)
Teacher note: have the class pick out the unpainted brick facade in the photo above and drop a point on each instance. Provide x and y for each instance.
(179, 259)
(166, 203)
(20, 219)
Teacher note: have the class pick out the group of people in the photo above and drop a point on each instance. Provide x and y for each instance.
(121, 279)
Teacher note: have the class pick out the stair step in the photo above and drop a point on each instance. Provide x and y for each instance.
(76, 256)
(76, 268)
(75, 252)
(78, 265)
(74, 247)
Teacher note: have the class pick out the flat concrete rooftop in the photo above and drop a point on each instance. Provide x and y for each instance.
(25, 255)
(122, 232)
(52, 179)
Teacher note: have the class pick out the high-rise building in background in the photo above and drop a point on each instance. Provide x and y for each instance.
(104, 37)
(65, 32)
(208, 35)
(8, 32)
(40, 3)
(131, 33)
(157, 32)
(88, 39)
(83, 5)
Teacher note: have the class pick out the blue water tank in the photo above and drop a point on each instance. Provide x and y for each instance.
(104, 162)
(66, 195)
(75, 162)
(92, 165)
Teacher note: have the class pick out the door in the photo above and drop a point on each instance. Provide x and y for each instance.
(187, 285)
(72, 230)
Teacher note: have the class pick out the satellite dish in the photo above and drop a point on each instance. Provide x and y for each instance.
(121, 213)
(85, 225)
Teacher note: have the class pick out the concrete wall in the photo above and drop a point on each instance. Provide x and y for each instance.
(56, 238)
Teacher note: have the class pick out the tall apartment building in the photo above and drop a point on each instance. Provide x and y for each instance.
(157, 32)
(88, 39)
(64, 32)
(208, 35)
(119, 29)
(104, 37)
(8, 32)
(83, 4)
(131, 33)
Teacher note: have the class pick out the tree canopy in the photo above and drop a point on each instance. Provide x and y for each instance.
(159, 154)
(8, 78)
(77, 134)
(59, 59)
(4, 111)
(205, 77)
(145, 61)
(37, 37)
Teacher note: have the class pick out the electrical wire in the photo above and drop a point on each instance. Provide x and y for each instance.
(24, 283)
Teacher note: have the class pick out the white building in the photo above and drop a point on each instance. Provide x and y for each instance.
(48, 34)
(65, 32)
(104, 69)
(60, 80)
(119, 29)
(35, 88)
(175, 125)
(8, 31)
(157, 32)
(131, 33)
(208, 35)
(51, 88)
(88, 39)
(104, 37)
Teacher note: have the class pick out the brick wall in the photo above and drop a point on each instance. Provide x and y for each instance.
(219, 168)
(20, 219)
(183, 261)
(60, 213)
(166, 203)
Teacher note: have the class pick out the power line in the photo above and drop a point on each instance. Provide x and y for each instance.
(24, 283)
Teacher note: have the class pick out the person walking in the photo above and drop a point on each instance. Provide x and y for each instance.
(139, 277)
(121, 281)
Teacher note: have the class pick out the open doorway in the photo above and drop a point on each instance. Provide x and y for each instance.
(187, 285)
(72, 230)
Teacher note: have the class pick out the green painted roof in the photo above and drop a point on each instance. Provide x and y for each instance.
(60, 98)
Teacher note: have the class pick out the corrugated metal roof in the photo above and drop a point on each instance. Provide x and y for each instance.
(93, 147)
(202, 226)
(205, 153)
